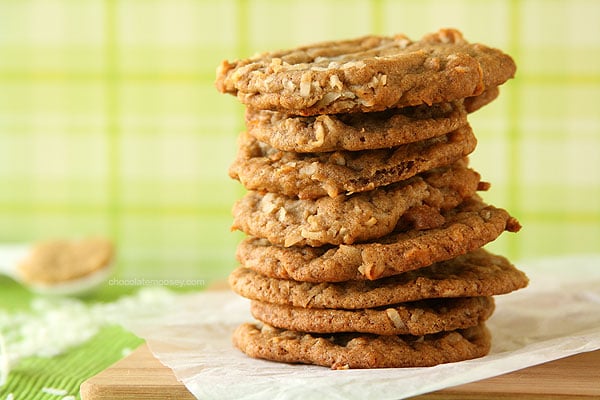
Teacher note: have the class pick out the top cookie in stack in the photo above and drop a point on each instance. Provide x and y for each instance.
(361, 202)
(367, 74)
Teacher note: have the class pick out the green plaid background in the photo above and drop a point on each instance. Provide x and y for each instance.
(110, 123)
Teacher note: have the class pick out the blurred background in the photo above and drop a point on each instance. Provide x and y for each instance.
(110, 123)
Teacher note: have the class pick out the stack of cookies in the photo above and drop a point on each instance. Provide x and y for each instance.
(363, 219)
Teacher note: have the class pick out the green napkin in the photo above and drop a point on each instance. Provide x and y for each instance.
(67, 371)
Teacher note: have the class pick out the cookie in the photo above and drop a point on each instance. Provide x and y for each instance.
(474, 103)
(359, 217)
(59, 261)
(466, 228)
(478, 273)
(361, 350)
(416, 318)
(366, 74)
(261, 167)
(355, 131)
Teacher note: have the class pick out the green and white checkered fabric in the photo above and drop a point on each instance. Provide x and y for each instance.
(110, 123)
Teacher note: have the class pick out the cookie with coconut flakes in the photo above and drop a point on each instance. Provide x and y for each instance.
(354, 131)
(361, 131)
(465, 228)
(414, 318)
(478, 273)
(362, 350)
(474, 103)
(366, 74)
(60, 261)
(261, 167)
(359, 217)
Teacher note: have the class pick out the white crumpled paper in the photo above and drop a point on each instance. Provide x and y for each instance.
(556, 316)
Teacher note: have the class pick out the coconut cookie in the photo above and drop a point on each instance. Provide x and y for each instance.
(474, 103)
(366, 74)
(363, 216)
(466, 228)
(354, 131)
(59, 261)
(261, 167)
(478, 273)
(416, 318)
(361, 350)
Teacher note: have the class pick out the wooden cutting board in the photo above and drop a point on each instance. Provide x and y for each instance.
(140, 376)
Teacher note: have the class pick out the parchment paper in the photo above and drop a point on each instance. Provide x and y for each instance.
(556, 316)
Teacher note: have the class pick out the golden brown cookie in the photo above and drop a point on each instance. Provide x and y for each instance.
(474, 103)
(478, 273)
(366, 74)
(260, 167)
(359, 217)
(354, 131)
(466, 228)
(361, 350)
(415, 318)
(56, 261)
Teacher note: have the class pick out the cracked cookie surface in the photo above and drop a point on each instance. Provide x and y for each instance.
(354, 131)
(466, 228)
(478, 273)
(261, 167)
(415, 318)
(359, 217)
(366, 74)
(356, 350)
